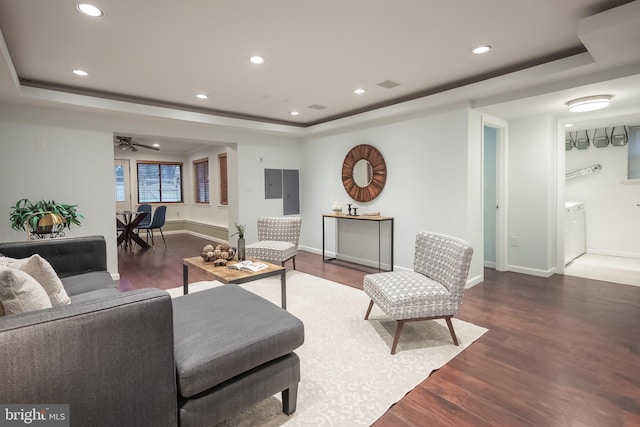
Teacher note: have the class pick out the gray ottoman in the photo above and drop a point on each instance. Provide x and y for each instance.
(232, 350)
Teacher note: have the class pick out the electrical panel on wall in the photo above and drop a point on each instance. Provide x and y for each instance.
(273, 183)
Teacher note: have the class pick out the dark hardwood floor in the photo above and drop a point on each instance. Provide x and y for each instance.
(562, 351)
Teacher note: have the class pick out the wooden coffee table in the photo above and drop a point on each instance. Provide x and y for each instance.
(227, 275)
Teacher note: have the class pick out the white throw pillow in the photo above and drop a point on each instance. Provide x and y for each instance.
(20, 293)
(40, 269)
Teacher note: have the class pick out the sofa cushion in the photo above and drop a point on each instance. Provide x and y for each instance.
(94, 295)
(88, 282)
(40, 269)
(20, 293)
(222, 332)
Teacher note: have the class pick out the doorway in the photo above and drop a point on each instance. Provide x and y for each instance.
(494, 149)
(122, 176)
(596, 180)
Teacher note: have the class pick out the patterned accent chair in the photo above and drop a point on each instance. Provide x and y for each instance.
(277, 240)
(433, 290)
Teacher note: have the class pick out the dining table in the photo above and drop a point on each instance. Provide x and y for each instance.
(127, 222)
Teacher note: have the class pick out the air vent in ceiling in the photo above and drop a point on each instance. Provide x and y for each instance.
(388, 84)
(317, 107)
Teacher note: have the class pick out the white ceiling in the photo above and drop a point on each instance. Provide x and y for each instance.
(545, 52)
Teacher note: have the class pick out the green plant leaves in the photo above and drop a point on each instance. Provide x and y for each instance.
(25, 210)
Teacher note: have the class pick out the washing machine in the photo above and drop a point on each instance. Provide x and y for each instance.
(575, 243)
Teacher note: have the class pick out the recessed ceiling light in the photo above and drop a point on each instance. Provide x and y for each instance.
(359, 91)
(201, 96)
(294, 113)
(482, 49)
(79, 72)
(90, 10)
(155, 144)
(589, 103)
(257, 59)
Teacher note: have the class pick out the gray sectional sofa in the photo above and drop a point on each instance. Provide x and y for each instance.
(140, 358)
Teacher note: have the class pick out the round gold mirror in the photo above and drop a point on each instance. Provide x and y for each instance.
(364, 173)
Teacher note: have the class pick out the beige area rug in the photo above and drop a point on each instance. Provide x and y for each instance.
(349, 378)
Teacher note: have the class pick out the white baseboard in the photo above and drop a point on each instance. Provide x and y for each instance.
(355, 260)
(490, 264)
(474, 281)
(202, 236)
(531, 271)
(613, 253)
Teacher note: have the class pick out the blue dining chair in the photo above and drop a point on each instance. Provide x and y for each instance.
(147, 219)
(157, 223)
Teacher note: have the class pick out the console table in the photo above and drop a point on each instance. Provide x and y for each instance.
(377, 218)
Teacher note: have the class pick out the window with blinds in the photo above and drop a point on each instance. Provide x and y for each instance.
(224, 195)
(201, 175)
(159, 182)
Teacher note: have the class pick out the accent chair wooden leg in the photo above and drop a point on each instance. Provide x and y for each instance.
(397, 337)
(453, 333)
(294, 263)
(366, 316)
(289, 399)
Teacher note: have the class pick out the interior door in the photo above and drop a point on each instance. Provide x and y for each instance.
(122, 185)
(495, 207)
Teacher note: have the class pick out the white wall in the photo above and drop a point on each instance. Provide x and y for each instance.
(611, 213)
(46, 161)
(434, 175)
(253, 159)
(532, 195)
(433, 181)
(68, 156)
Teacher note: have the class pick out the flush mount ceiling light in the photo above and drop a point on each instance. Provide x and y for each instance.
(257, 59)
(482, 49)
(294, 113)
(589, 103)
(90, 10)
(201, 96)
(359, 91)
(79, 72)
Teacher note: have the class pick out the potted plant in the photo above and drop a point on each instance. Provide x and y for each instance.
(241, 244)
(26, 211)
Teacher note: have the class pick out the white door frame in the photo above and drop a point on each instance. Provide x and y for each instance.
(124, 205)
(502, 128)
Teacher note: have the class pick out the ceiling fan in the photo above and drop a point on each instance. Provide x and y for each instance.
(124, 143)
